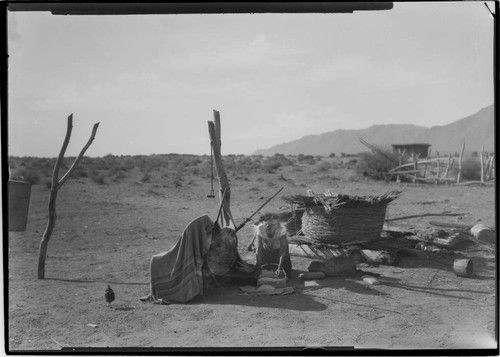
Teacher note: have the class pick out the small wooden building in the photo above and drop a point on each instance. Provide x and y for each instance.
(422, 150)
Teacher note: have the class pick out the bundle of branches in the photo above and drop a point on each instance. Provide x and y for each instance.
(334, 219)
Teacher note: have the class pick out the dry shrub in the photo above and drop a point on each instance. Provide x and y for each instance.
(275, 162)
(119, 173)
(306, 159)
(471, 169)
(146, 177)
(375, 164)
(97, 177)
(324, 166)
(80, 172)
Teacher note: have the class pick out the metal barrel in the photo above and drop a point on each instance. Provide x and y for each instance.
(19, 193)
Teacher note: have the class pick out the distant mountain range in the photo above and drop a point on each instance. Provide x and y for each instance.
(475, 130)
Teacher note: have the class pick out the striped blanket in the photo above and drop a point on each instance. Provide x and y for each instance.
(176, 275)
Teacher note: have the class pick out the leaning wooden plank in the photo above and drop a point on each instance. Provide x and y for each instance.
(421, 179)
(420, 162)
(425, 215)
(410, 172)
(451, 225)
(470, 183)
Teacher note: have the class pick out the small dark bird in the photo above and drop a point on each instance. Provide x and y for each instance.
(109, 295)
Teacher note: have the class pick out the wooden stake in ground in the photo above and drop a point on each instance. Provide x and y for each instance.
(459, 175)
(488, 170)
(437, 167)
(482, 163)
(415, 163)
(56, 185)
(492, 167)
(450, 164)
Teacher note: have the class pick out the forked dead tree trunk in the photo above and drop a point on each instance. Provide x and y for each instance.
(214, 129)
(56, 185)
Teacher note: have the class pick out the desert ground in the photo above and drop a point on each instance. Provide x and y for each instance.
(115, 213)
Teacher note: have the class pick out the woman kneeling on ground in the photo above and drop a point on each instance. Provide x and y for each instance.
(272, 245)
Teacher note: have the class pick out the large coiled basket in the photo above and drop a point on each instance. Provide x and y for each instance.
(343, 223)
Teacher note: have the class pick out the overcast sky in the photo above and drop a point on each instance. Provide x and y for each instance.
(152, 81)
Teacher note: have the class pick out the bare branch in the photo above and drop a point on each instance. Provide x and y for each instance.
(426, 215)
(57, 166)
(77, 160)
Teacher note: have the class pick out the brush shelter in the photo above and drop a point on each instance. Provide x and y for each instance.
(420, 150)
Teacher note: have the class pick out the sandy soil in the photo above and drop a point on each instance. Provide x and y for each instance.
(106, 234)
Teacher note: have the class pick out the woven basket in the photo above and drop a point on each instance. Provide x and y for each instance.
(343, 223)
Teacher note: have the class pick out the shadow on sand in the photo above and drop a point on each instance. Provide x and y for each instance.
(96, 281)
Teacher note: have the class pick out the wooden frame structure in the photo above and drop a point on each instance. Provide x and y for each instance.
(437, 170)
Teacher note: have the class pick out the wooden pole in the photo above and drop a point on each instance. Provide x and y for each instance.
(481, 156)
(400, 163)
(492, 167)
(470, 183)
(487, 168)
(421, 179)
(414, 166)
(451, 225)
(56, 185)
(447, 167)
(402, 172)
(426, 215)
(217, 127)
(460, 164)
(437, 167)
(215, 142)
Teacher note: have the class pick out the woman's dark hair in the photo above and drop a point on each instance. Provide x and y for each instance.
(268, 216)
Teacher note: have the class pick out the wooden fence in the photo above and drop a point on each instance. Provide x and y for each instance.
(438, 169)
